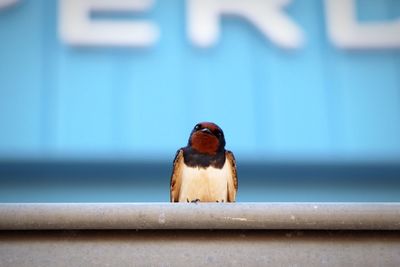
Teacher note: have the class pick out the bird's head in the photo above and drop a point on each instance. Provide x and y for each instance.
(207, 138)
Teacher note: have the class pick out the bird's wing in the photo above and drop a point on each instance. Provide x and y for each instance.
(176, 177)
(233, 181)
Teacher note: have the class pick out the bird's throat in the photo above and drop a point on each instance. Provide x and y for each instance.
(205, 143)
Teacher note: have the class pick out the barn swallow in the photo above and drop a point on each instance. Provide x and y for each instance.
(203, 170)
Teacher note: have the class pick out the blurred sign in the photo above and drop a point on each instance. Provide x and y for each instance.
(317, 101)
(203, 19)
(76, 27)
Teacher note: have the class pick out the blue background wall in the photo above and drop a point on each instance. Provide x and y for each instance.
(315, 104)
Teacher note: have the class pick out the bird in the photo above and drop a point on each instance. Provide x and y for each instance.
(203, 171)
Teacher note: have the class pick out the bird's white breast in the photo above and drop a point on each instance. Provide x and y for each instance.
(206, 184)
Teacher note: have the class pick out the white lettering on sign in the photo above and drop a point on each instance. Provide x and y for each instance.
(77, 28)
(267, 15)
(346, 32)
(7, 3)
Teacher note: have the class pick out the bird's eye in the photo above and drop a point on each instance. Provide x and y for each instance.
(197, 127)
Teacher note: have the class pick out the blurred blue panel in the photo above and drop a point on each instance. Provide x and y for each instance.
(20, 79)
(154, 113)
(367, 92)
(372, 10)
(85, 97)
(370, 103)
(294, 81)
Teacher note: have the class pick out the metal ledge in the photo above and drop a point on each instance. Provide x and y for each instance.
(260, 216)
(275, 235)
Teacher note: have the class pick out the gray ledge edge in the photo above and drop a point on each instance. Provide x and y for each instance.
(152, 216)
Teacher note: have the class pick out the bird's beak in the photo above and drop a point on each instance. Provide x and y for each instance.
(206, 130)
